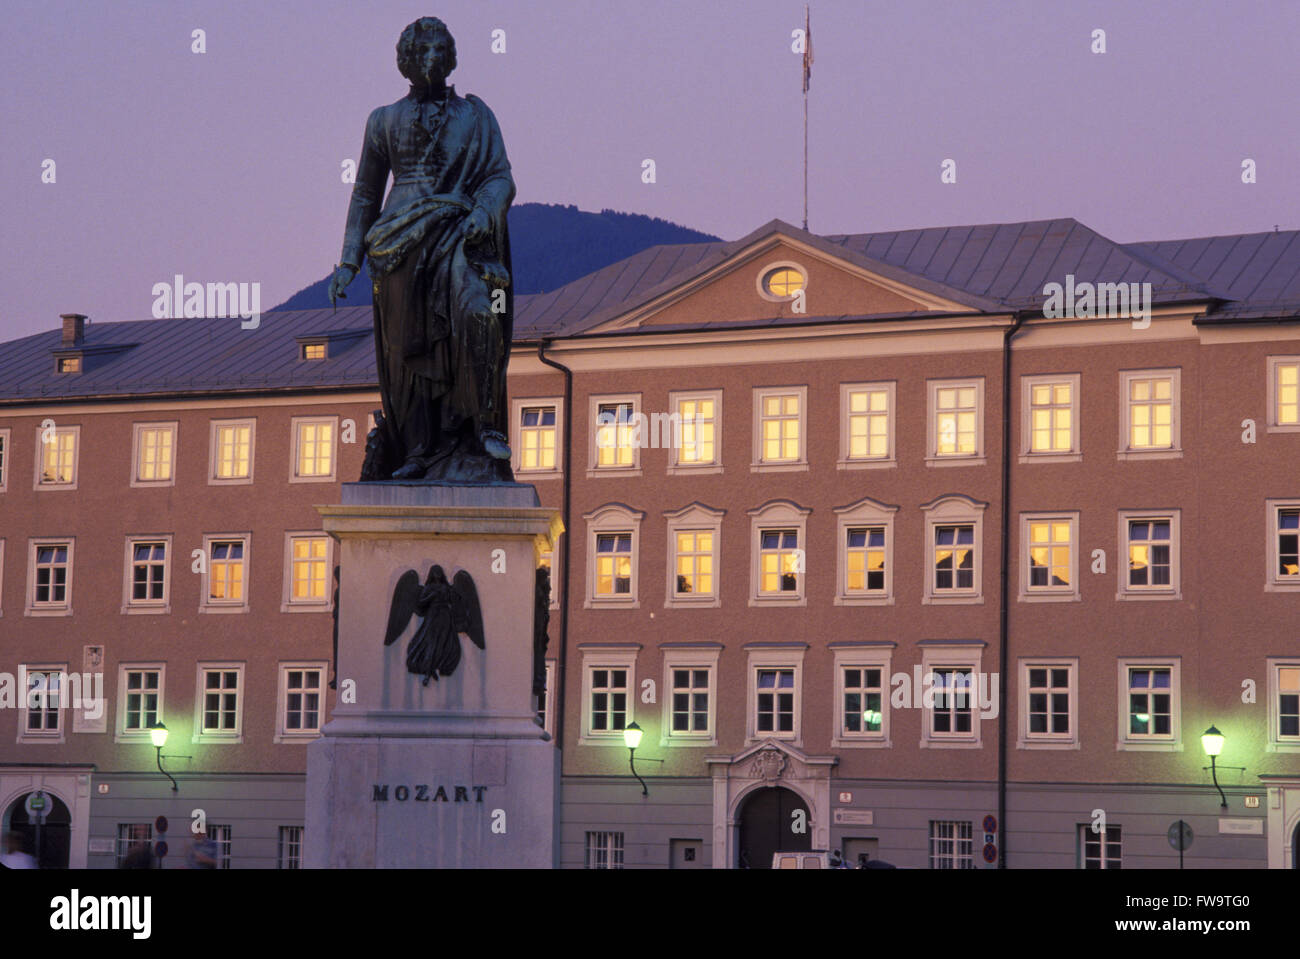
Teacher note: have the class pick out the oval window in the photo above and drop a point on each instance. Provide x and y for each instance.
(783, 282)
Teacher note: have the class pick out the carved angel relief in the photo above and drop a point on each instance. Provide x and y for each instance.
(446, 610)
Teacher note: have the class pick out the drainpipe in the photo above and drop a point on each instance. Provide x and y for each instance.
(557, 694)
(1018, 318)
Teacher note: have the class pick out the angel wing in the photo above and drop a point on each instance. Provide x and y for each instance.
(405, 596)
(470, 620)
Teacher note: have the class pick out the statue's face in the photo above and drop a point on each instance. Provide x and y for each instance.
(433, 58)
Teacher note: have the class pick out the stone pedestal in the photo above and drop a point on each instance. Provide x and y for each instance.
(455, 773)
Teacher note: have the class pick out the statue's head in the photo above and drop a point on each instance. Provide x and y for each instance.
(426, 52)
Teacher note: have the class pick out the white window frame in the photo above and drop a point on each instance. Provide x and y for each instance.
(849, 462)
(206, 604)
(214, 432)
(289, 847)
(1048, 740)
(6, 458)
(608, 843)
(954, 656)
(120, 733)
(775, 515)
(932, 455)
(775, 656)
(1274, 426)
(548, 712)
(953, 509)
(147, 607)
(287, 603)
(675, 466)
(1175, 451)
(610, 656)
(694, 518)
(773, 267)
(701, 657)
(866, 512)
(1027, 453)
(517, 407)
(594, 403)
(137, 447)
(1126, 742)
(1275, 742)
(758, 463)
(75, 432)
(49, 609)
(63, 710)
(295, 445)
(1103, 837)
(2, 575)
(608, 519)
(1174, 590)
(1273, 581)
(861, 656)
(282, 733)
(235, 735)
(959, 861)
(1049, 594)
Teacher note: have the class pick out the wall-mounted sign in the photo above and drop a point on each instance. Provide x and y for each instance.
(1252, 802)
(854, 817)
(101, 846)
(421, 793)
(1242, 827)
(846, 797)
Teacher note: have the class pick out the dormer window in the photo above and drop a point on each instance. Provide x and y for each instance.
(313, 351)
(69, 364)
(782, 281)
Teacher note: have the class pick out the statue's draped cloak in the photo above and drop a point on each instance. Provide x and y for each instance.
(440, 347)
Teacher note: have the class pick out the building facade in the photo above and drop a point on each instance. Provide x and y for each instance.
(885, 544)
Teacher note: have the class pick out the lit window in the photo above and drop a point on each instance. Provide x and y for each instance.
(954, 558)
(613, 564)
(309, 569)
(864, 560)
(780, 428)
(142, 700)
(1098, 851)
(4, 459)
(775, 701)
(698, 416)
(232, 451)
(615, 435)
(313, 351)
(69, 364)
(783, 282)
(1051, 415)
(537, 438)
(955, 421)
(868, 421)
(1286, 545)
(1151, 413)
(315, 449)
(58, 459)
(1051, 555)
(1285, 680)
(781, 562)
(1150, 560)
(951, 845)
(226, 572)
(694, 562)
(1284, 383)
(613, 539)
(154, 453)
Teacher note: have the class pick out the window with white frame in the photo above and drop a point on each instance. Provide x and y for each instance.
(690, 708)
(613, 534)
(779, 558)
(148, 584)
(154, 455)
(1049, 426)
(604, 850)
(615, 437)
(699, 442)
(56, 457)
(780, 434)
(546, 700)
(1049, 703)
(954, 546)
(867, 425)
(289, 850)
(775, 692)
(132, 837)
(1284, 393)
(225, 584)
(537, 439)
(50, 576)
(1284, 705)
(221, 835)
(314, 449)
(1149, 413)
(956, 421)
(952, 844)
(308, 580)
(865, 554)
(301, 701)
(219, 707)
(1098, 849)
(1050, 556)
(1149, 704)
(694, 543)
(1150, 542)
(43, 699)
(232, 452)
(863, 698)
(4, 460)
(1283, 520)
(958, 690)
(608, 687)
(140, 700)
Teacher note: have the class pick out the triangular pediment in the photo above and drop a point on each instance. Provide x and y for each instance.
(772, 760)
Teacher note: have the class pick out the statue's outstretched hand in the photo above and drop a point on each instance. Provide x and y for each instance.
(343, 275)
(476, 225)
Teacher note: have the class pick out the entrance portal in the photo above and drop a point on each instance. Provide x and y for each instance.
(772, 820)
(55, 833)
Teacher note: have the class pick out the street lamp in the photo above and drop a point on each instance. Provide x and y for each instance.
(158, 734)
(632, 739)
(1212, 743)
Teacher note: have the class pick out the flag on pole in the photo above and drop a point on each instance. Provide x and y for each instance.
(807, 48)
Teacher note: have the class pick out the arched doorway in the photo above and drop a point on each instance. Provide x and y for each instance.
(770, 822)
(55, 832)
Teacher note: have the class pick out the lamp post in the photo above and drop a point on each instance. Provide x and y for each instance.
(632, 739)
(1212, 743)
(158, 734)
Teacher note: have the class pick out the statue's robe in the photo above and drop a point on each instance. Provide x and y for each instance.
(440, 346)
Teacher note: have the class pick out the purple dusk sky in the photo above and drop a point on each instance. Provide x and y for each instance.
(226, 166)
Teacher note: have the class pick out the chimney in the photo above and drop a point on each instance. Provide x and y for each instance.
(74, 328)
